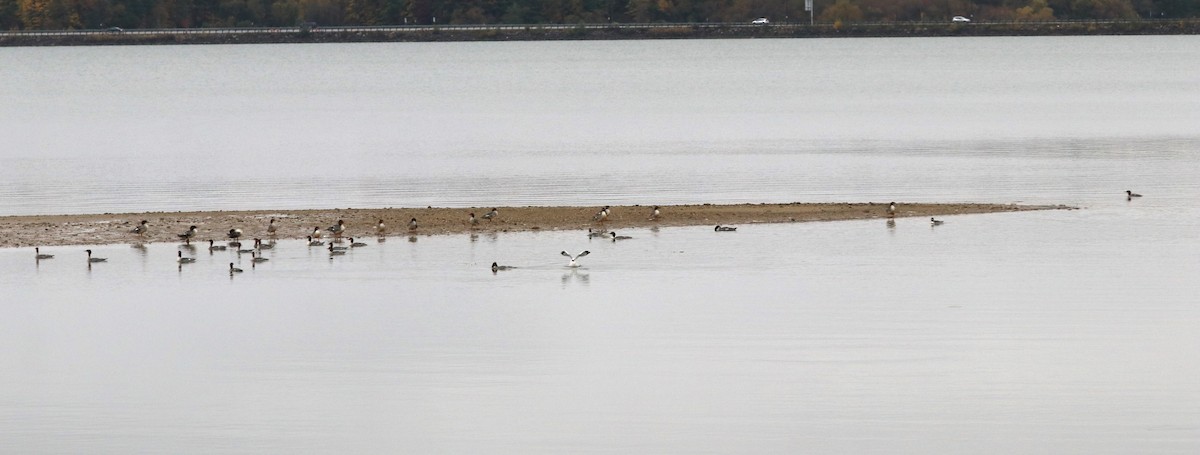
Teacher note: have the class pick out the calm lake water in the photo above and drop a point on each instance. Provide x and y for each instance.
(1071, 331)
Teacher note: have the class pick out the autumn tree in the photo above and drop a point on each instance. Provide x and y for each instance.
(1036, 10)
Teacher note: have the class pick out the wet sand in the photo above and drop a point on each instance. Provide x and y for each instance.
(50, 230)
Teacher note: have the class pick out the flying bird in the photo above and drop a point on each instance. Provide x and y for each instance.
(573, 262)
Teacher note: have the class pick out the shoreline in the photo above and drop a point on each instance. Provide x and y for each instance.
(100, 229)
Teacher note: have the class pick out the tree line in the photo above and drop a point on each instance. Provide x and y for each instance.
(99, 14)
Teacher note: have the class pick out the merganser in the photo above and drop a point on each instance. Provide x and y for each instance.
(183, 260)
(496, 267)
(316, 233)
(935, 222)
(92, 259)
(1131, 194)
(492, 214)
(233, 270)
(141, 229)
(720, 228)
(891, 210)
(212, 246)
(271, 228)
(472, 220)
(573, 258)
(380, 228)
(616, 237)
(312, 242)
(412, 225)
(354, 244)
(654, 213)
(38, 254)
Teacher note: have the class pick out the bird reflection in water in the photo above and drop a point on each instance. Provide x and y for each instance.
(576, 275)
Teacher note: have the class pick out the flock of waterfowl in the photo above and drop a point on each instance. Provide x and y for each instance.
(335, 245)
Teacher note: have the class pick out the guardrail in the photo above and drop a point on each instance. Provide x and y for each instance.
(535, 27)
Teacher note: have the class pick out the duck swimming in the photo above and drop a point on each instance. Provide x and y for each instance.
(497, 267)
(92, 259)
(616, 237)
(936, 222)
(38, 254)
(212, 246)
(492, 214)
(183, 260)
(1130, 194)
(354, 244)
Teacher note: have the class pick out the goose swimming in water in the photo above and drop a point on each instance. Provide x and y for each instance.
(412, 225)
(188, 234)
(259, 245)
(314, 242)
(335, 251)
(616, 237)
(596, 233)
(655, 213)
(574, 258)
(935, 222)
(212, 246)
(183, 260)
(720, 228)
(92, 259)
(601, 215)
(1130, 194)
(233, 270)
(271, 228)
(492, 214)
(141, 229)
(891, 210)
(257, 258)
(354, 244)
(497, 267)
(39, 256)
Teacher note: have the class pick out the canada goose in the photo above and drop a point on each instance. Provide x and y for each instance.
(354, 244)
(314, 242)
(601, 215)
(257, 258)
(92, 259)
(573, 258)
(271, 228)
(333, 251)
(720, 228)
(936, 222)
(616, 237)
(596, 233)
(497, 267)
(233, 270)
(492, 214)
(655, 213)
(38, 254)
(1131, 194)
(258, 244)
(212, 246)
(141, 229)
(891, 210)
(188, 234)
(183, 260)
(412, 225)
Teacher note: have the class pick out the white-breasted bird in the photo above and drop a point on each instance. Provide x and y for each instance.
(472, 220)
(412, 225)
(183, 260)
(141, 228)
(316, 233)
(601, 215)
(492, 214)
(573, 262)
(891, 210)
(188, 234)
(380, 228)
(234, 234)
(338, 228)
(655, 213)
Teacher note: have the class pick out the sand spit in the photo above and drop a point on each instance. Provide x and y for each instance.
(49, 230)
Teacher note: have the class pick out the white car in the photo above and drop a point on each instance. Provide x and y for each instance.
(960, 19)
(761, 20)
